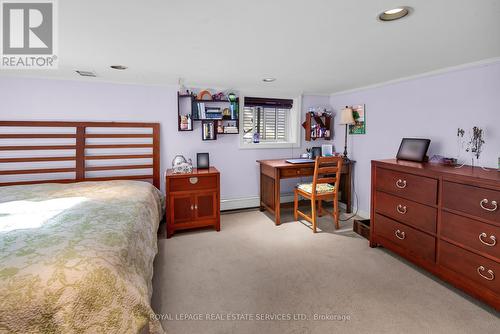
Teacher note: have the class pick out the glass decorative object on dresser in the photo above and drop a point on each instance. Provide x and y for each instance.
(471, 142)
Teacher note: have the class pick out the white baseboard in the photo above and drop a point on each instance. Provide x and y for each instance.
(239, 203)
(254, 201)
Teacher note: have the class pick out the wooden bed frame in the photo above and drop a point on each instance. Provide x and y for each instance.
(80, 157)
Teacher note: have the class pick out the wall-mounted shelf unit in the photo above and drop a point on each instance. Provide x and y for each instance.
(222, 114)
(318, 127)
(184, 102)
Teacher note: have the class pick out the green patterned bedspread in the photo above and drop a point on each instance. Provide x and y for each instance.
(78, 258)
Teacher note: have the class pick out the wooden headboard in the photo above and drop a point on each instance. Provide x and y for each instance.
(66, 152)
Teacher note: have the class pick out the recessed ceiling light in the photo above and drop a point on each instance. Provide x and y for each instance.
(118, 67)
(394, 14)
(393, 11)
(269, 79)
(86, 73)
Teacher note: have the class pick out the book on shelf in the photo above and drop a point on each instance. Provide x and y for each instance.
(230, 129)
(212, 110)
(208, 131)
(195, 110)
(201, 110)
(213, 113)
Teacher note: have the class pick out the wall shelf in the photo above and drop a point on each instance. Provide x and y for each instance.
(188, 105)
(317, 127)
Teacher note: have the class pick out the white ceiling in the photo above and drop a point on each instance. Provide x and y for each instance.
(314, 46)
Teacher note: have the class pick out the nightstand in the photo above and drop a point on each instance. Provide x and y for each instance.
(193, 200)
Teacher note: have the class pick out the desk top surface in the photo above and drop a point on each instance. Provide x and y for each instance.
(281, 163)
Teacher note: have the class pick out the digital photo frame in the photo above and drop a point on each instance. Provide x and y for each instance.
(413, 149)
(202, 161)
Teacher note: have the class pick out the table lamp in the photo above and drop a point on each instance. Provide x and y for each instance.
(346, 119)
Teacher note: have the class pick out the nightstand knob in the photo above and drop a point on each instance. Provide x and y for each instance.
(193, 180)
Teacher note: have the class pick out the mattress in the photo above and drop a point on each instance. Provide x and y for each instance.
(78, 257)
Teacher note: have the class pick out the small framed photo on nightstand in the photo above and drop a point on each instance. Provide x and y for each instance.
(202, 161)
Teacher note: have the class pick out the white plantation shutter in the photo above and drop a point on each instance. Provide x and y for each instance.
(248, 123)
(281, 123)
(267, 120)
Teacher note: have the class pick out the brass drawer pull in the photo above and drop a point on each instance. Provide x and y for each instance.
(400, 235)
(493, 204)
(401, 209)
(491, 274)
(193, 180)
(401, 184)
(192, 207)
(492, 237)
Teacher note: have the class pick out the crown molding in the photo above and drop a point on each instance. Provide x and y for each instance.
(480, 63)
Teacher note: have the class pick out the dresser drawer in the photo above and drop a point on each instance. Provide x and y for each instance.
(292, 172)
(412, 213)
(416, 242)
(476, 268)
(190, 183)
(476, 201)
(417, 188)
(472, 233)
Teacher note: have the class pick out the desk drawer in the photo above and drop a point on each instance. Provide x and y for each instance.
(476, 268)
(476, 201)
(190, 183)
(472, 233)
(412, 213)
(415, 242)
(414, 187)
(296, 172)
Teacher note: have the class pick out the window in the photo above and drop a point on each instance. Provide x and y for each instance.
(270, 120)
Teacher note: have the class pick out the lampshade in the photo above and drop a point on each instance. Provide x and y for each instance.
(346, 117)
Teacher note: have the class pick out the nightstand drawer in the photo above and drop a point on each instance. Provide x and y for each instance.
(415, 242)
(414, 187)
(471, 233)
(195, 182)
(412, 213)
(476, 201)
(474, 267)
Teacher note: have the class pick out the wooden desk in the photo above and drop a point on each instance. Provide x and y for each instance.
(272, 171)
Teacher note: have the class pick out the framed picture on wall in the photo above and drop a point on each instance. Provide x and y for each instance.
(359, 115)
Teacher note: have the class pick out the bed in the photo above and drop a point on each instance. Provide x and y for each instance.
(76, 254)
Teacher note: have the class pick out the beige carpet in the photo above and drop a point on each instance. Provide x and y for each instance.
(253, 269)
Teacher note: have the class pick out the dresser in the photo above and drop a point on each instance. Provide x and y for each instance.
(444, 219)
(193, 200)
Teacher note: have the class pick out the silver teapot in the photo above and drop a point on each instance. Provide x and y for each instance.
(180, 165)
(178, 159)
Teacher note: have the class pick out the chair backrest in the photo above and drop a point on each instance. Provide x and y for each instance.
(327, 170)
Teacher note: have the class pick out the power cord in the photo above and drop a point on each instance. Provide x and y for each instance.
(357, 203)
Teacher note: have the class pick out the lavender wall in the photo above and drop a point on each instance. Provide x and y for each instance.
(38, 99)
(429, 107)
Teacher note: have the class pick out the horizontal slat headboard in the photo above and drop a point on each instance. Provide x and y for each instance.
(64, 152)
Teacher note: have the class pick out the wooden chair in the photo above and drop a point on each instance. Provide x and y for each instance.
(321, 189)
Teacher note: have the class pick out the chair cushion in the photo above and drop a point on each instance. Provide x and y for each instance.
(321, 188)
